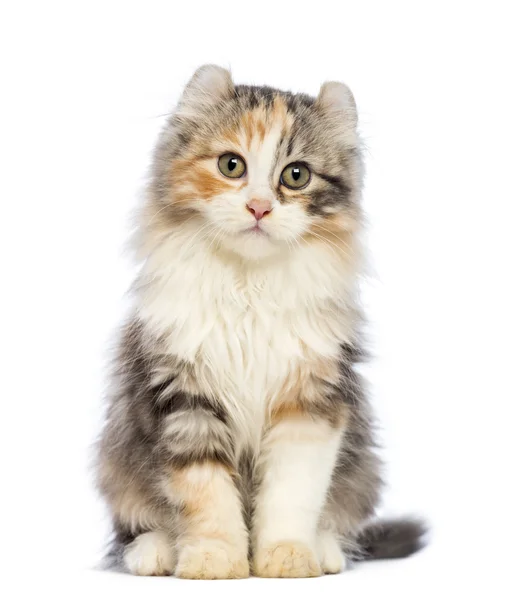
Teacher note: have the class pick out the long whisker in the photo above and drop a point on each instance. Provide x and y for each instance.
(325, 241)
(318, 226)
(216, 236)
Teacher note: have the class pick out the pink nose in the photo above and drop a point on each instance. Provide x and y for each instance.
(259, 208)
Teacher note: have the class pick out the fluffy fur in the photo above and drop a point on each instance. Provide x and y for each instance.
(238, 434)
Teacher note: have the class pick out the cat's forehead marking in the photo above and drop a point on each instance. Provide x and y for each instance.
(258, 124)
(253, 127)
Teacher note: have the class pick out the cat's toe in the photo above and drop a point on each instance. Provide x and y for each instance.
(330, 554)
(212, 559)
(286, 559)
(150, 554)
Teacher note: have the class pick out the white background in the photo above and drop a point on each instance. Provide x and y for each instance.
(84, 88)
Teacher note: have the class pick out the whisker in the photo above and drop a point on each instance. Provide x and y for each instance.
(325, 241)
(332, 234)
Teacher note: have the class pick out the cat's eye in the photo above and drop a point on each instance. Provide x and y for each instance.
(295, 176)
(231, 165)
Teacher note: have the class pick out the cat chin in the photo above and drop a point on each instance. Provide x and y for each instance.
(253, 246)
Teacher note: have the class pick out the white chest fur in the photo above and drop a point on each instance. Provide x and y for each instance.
(245, 329)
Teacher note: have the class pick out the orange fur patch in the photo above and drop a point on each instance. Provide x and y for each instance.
(279, 112)
(343, 223)
(261, 130)
(303, 395)
(337, 232)
(202, 489)
(247, 127)
(192, 177)
(285, 412)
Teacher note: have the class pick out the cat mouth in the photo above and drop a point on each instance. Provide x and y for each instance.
(256, 230)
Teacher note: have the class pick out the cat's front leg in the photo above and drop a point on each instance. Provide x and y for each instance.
(298, 458)
(213, 541)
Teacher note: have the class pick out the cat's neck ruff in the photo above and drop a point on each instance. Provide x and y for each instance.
(185, 272)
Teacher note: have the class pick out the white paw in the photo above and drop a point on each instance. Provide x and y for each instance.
(212, 559)
(150, 554)
(330, 554)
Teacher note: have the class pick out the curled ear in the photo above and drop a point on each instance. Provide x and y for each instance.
(337, 97)
(209, 85)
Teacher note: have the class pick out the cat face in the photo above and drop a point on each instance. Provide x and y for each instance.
(259, 171)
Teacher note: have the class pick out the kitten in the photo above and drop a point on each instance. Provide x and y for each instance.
(238, 436)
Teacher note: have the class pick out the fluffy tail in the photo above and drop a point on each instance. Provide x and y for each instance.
(393, 538)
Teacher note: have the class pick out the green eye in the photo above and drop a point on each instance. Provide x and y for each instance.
(231, 165)
(295, 176)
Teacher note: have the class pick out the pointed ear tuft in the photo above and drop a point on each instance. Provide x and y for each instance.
(337, 97)
(209, 85)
